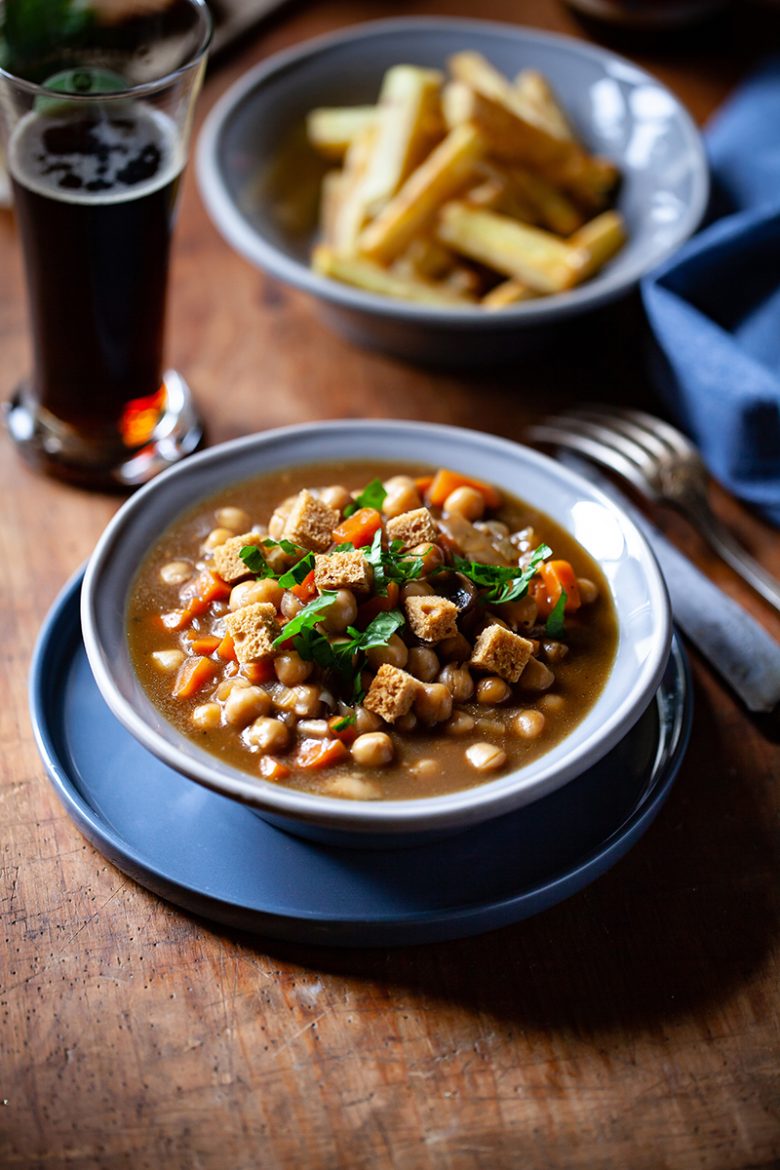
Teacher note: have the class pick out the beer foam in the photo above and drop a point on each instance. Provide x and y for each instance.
(105, 155)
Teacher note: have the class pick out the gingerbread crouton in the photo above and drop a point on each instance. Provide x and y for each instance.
(343, 570)
(253, 629)
(392, 693)
(310, 522)
(228, 563)
(501, 652)
(432, 618)
(413, 528)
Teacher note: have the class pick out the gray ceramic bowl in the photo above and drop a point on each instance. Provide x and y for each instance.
(617, 109)
(644, 621)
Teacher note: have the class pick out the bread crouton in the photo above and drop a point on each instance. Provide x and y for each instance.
(253, 629)
(392, 693)
(432, 618)
(343, 570)
(228, 563)
(311, 522)
(501, 652)
(413, 528)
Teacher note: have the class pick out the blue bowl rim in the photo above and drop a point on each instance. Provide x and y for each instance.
(246, 240)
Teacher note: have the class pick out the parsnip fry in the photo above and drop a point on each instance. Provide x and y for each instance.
(551, 207)
(446, 170)
(509, 292)
(425, 257)
(455, 104)
(537, 258)
(512, 136)
(332, 131)
(365, 274)
(599, 240)
(409, 124)
(535, 90)
(349, 213)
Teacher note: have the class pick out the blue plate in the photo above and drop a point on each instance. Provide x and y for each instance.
(218, 859)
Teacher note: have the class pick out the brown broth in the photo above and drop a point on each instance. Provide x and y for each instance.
(591, 635)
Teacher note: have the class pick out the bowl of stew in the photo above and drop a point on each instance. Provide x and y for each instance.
(261, 179)
(375, 631)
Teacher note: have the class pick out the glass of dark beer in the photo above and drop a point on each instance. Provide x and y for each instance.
(96, 109)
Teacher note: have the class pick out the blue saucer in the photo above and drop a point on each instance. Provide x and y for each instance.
(216, 858)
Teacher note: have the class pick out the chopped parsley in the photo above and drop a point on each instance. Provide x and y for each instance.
(307, 617)
(373, 495)
(554, 625)
(503, 582)
(389, 564)
(256, 563)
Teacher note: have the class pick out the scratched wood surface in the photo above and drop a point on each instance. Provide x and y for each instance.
(635, 1025)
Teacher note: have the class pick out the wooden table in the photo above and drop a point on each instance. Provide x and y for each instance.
(635, 1025)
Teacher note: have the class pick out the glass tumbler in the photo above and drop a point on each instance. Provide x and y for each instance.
(96, 114)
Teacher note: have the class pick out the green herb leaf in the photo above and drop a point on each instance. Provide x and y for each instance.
(347, 546)
(389, 564)
(286, 546)
(255, 561)
(298, 572)
(345, 722)
(503, 582)
(380, 630)
(373, 495)
(306, 618)
(554, 625)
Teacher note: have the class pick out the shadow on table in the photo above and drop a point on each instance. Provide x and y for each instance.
(682, 921)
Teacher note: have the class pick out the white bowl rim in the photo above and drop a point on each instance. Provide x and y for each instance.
(602, 289)
(459, 808)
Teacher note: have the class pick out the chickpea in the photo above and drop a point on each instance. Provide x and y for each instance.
(395, 652)
(458, 681)
(228, 685)
(536, 676)
(176, 572)
(416, 589)
(528, 724)
(307, 702)
(352, 788)
(431, 555)
(589, 590)
(485, 757)
(492, 691)
(341, 613)
(554, 651)
(490, 726)
(433, 703)
(373, 750)
(250, 592)
(460, 723)
(267, 735)
(207, 716)
(425, 768)
(552, 705)
(402, 496)
(279, 519)
(314, 728)
(366, 720)
(407, 722)
(216, 537)
(291, 669)
(290, 605)
(336, 496)
(520, 613)
(423, 663)
(235, 518)
(454, 649)
(245, 704)
(168, 661)
(467, 502)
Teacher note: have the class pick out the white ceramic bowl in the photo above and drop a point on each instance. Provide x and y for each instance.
(638, 590)
(617, 109)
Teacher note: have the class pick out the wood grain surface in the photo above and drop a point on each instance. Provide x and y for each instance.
(634, 1026)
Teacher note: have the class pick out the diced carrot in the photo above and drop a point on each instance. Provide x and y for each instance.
(198, 594)
(553, 577)
(193, 674)
(423, 484)
(273, 769)
(445, 482)
(320, 753)
(306, 590)
(369, 609)
(202, 643)
(259, 672)
(177, 619)
(226, 650)
(359, 528)
(346, 734)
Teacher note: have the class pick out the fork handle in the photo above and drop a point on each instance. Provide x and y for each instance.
(732, 552)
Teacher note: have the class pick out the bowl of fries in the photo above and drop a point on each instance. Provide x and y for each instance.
(451, 190)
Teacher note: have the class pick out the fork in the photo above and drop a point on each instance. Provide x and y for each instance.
(662, 464)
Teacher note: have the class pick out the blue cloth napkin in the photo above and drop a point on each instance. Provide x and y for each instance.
(715, 306)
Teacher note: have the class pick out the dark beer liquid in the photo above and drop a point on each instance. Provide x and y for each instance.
(95, 195)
